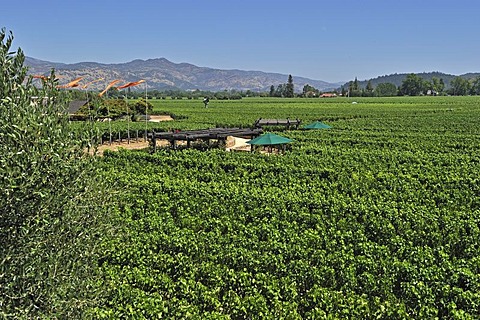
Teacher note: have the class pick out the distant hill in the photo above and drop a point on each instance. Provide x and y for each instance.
(163, 74)
(398, 78)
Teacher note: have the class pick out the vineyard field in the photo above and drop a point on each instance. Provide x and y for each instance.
(377, 217)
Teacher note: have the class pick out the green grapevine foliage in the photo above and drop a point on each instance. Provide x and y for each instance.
(377, 217)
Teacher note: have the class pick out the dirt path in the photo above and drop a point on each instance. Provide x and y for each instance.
(233, 144)
(133, 145)
(155, 118)
(115, 146)
(237, 144)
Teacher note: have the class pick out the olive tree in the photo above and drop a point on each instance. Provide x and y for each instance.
(49, 198)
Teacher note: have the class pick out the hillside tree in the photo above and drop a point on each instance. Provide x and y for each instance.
(369, 90)
(459, 86)
(413, 85)
(280, 90)
(289, 88)
(354, 88)
(475, 86)
(309, 91)
(438, 85)
(386, 89)
(272, 91)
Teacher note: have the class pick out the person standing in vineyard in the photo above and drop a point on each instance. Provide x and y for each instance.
(206, 101)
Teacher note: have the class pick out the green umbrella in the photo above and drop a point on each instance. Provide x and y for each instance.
(317, 125)
(269, 139)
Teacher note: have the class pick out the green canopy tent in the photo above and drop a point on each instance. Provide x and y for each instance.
(317, 125)
(269, 139)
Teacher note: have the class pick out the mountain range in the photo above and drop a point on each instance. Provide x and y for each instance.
(162, 74)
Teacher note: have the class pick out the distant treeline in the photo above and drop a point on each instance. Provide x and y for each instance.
(433, 83)
(401, 85)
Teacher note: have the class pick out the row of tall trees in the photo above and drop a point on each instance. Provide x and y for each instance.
(382, 90)
(285, 90)
(414, 85)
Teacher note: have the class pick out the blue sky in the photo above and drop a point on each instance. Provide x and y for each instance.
(334, 41)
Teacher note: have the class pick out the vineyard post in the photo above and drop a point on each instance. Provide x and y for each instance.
(146, 112)
(109, 121)
(128, 118)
